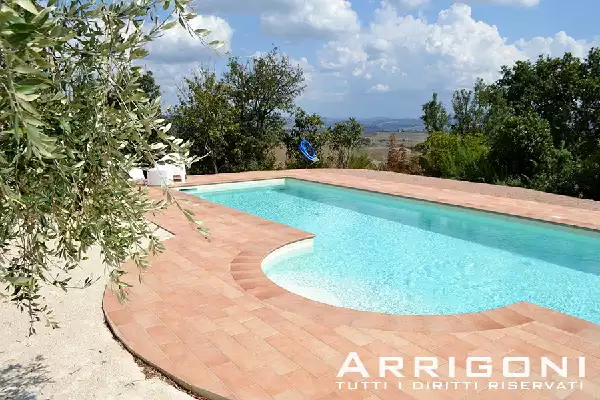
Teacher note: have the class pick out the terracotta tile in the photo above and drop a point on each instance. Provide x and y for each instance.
(284, 344)
(146, 318)
(174, 349)
(579, 395)
(270, 381)
(254, 392)
(230, 326)
(237, 353)
(282, 365)
(547, 332)
(253, 342)
(291, 394)
(318, 348)
(209, 355)
(120, 317)
(239, 313)
(213, 312)
(354, 335)
(132, 332)
(111, 303)
(202, 324)
(311, 363)
(281, 345)
(259, 327)
(232, 376)
(161, 334)
(304, 382)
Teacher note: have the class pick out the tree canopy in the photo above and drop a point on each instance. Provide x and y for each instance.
(237, 119)
(71, 101)
(537, 126)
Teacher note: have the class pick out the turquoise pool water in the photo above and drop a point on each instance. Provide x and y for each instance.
(399, 256)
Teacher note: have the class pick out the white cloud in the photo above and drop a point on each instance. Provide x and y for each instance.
(408, 3)
(319, 19)
(519, 3)
(379, 88)
(178, 46)
(177, 53)
(554, 46)
(404, 52)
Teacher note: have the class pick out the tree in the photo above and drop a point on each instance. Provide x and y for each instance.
(149, 86)
(521, 147)
(345, 138)
(259, 92)
(434, 115)
(204, 117)
(539, 122)
(393, 158)
(468, 110)
(309, 127)
(455, 157)
(70, 102)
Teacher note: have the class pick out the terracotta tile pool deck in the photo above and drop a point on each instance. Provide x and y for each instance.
(207, 317)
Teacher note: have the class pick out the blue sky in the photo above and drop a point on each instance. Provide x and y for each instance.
(372, 58)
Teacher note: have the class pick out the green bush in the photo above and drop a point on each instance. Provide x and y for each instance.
(452, 156)
(521, 146)
(360, 160)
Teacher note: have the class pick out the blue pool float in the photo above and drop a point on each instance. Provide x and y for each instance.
(308, 151)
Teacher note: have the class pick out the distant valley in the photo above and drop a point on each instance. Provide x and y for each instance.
(377, 124)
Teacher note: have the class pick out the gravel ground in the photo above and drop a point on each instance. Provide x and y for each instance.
(80, 360)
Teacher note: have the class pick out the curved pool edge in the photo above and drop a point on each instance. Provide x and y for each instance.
(551, 327)
(143, 352)
(247, 270)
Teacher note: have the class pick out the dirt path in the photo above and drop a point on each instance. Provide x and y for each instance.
(81, 360)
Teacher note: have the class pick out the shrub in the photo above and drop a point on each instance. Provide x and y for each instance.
(521, 146)
(451, 156)
(360, 160)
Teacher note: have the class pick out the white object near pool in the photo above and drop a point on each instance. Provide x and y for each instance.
(161, 175)
(137, 174)
(166, 174)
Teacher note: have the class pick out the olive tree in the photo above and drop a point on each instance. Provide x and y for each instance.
(345, 139)
(70, 103)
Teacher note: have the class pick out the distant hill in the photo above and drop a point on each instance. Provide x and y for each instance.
(384, 124)
(377, 124)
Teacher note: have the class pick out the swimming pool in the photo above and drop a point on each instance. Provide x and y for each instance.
(394, 255)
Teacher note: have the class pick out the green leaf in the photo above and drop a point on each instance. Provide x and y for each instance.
(21, 28)
(31, 120)
(27, 5)
(8, 14)
(19, 281)
(28, 107)
(26, 89)
(42, 144)
(170, 25)
(216, 44)
(138, 53)
(25, 69)
(27, 97)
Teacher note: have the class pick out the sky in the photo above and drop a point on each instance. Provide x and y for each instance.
(378, 58)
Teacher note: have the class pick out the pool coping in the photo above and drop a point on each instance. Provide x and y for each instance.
(498, 209)
(245, 269)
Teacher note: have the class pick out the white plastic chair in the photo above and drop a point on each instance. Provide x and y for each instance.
(161, 175)
(178, 172)
(137, 174)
